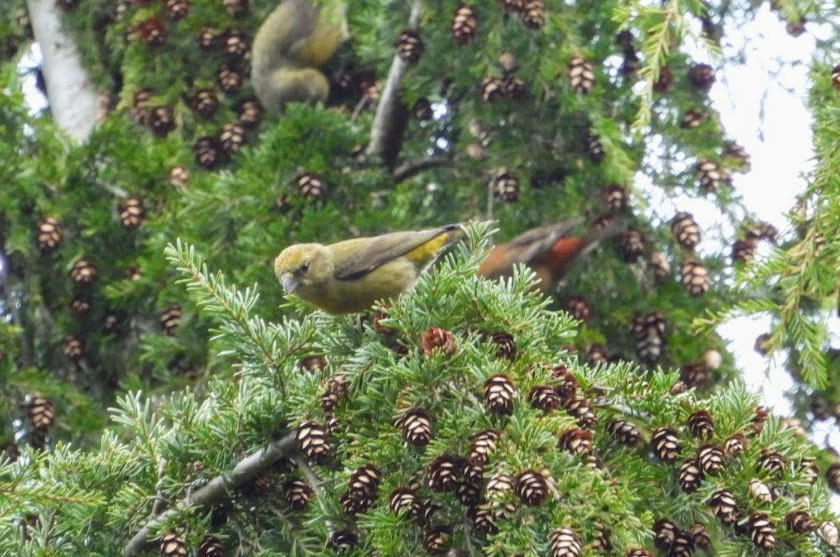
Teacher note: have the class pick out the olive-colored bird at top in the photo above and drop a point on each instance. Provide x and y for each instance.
(349, 276)
(548, 250)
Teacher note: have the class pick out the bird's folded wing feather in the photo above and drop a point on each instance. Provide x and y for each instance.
(382, 249)
(537, 241)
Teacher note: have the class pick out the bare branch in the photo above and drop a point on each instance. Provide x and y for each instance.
(217, 489)
(391, 114)
(410, 168)
(73, 100)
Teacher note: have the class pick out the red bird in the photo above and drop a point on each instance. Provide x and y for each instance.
(547, 250)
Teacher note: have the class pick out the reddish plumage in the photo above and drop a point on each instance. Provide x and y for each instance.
(548, 250)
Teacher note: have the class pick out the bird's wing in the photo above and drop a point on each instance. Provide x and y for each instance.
(537, 241)
(387, 247)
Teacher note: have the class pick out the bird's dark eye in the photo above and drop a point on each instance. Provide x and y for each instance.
(304, 267)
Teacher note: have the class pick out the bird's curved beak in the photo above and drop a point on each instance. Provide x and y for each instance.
(289, 282)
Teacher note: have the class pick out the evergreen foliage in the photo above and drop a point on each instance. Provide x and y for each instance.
(516, 113)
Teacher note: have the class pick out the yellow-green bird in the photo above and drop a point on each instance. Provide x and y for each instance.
(350, 275)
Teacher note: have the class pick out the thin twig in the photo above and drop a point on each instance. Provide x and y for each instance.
(410, 168)
(217, 489)
(386, 126)
(315, 483)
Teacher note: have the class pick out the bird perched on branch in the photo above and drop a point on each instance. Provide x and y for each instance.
(350, 275)
(548, 250)
(290, 47)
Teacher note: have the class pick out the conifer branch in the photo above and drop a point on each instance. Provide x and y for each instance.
(256, 338)
(216, 489)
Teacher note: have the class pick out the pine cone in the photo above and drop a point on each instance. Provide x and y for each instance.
(578, 307)
(563, 542)
(701, 424)
(615, 197)
(151, 32)
(685, 230)
(342, 540)
(131, 213)
(771, 461)
(235, 7)
(594, 147)
(576, 441)
(505, 185)
(464, 24)
(173, 545)
(179, 175)
(800, 522)
(207, 39)
(827, 531)
(48, 234)
(762, 531)
(700, 536)
(313, 442)
(724, 506)
(73, 348)
(760, 491)
(409, 46)
(482, 445)
(694, 375)
(682, 546)
(210, 546)
(41, 413)
(231, 138)
(498, 486)
(545, 398)
(250, 113)
(702, 76)
(632, 245)
(659, 265)
(692, 118)
(580, 409)
(689, 475)
(743, 250)
(712, 175)
(581, 75)
(161, 120)
(297, 493)
(207, 152)
(169, 319)
(664, 80)
(499, 391)
(664, 533)
(505, 345)
(403, 501)
(235, 42)
(176, 9)
(310, 186)
(439, 340)
(83, 272)
(665, 444)
(533, 15)
(710, 459)
(624, 432)
(531, 487)
(437, 539)
(694, 277)
(738, 155)
(229, 79)
(445, 472)
(416, 425)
